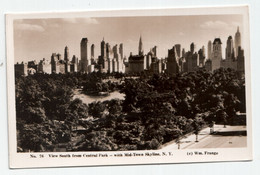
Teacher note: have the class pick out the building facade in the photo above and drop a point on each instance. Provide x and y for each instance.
(216, 54)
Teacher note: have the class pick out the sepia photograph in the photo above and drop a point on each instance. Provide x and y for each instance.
(113, 85)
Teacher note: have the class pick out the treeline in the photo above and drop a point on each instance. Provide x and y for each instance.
(156, 109)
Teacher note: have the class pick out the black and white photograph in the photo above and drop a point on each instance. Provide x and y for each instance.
(129, 85)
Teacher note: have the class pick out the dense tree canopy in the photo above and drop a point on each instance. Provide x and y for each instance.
(156, 109)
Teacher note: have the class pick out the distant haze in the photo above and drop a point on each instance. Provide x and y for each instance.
(35, 39)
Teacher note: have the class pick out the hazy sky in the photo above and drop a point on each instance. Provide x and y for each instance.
(35, 39)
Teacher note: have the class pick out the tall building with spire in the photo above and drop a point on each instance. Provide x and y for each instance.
(237, 41)
(140, 47)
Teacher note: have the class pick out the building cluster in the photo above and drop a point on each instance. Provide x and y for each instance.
(191, 60)
(55, 65)
(111, 59)
(145, 62)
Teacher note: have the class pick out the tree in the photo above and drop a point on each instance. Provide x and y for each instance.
(198, 123)
(97, 109)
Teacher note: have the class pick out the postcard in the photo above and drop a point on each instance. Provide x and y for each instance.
(125, 87)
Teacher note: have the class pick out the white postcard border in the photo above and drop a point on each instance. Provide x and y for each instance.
(27, 160)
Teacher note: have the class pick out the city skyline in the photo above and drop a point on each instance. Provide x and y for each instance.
(35, 39)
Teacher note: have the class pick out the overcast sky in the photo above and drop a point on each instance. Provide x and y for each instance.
(35, 39)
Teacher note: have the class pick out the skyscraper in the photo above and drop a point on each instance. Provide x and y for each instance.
(66, 59)
(102, 59)
(192, 48)
(115, 51)
(172, 63)
(229, 62)
(178, 49)
(154, 50)
(209, 49)
(92, 51)
(103, 49)
(217, 54)
(66, 54)
(140, 47)
(120, 66)
(84, 54)
(241, 61)
(201, 57)
(203, 51)
(183, 53)
(121, 51)
(92, 54)
(237, 41)
(229, 48)
(55, 63)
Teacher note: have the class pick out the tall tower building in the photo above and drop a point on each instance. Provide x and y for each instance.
(109, 56)
(109, 51)
(121, 51)
(148, 60)
(172, 63)
(183, 52)
(74, 65)
(92, 54)
(241, 61)
(66, 54)
(102, 59)
(237, 41)
(229, 49)
(103, 49)
(203, 51)
(154, 50)
(120, 66)
(192, 48)
(55, 63)
(92, 51)
(178, 49)
(201, 54)
(66, 59)
(217, 54)
(84, 54)
(115, 51)
(59, 56)
(229, 62)
(209, 49)
(140, 47)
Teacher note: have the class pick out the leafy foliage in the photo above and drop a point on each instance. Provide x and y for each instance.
(156, 109)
